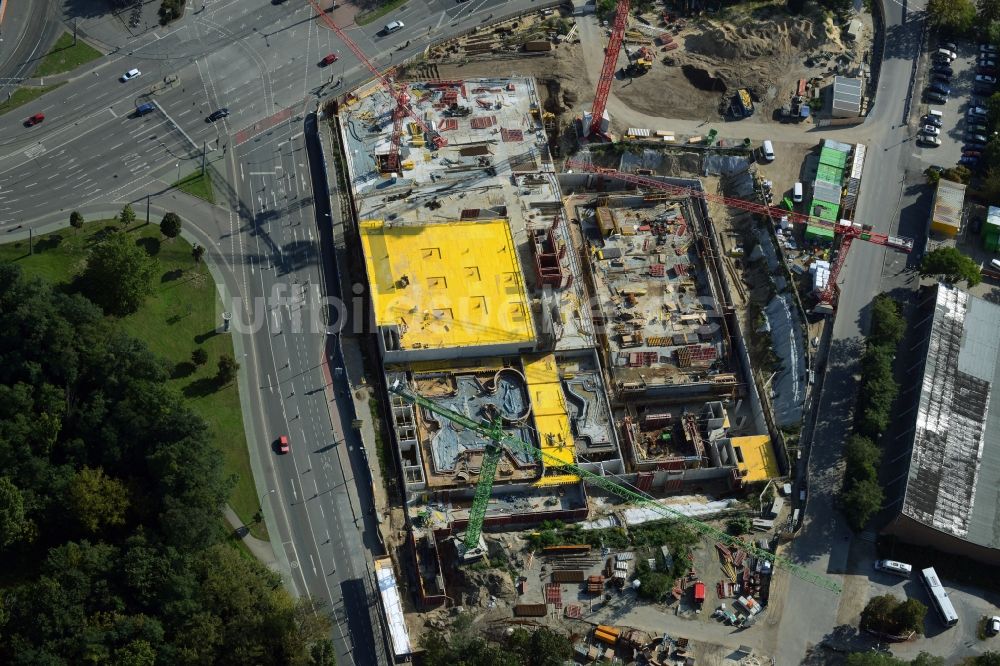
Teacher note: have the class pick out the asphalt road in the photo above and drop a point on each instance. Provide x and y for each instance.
(26, 29)
(825, 537)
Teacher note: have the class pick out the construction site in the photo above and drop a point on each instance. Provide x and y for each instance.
(568, 349)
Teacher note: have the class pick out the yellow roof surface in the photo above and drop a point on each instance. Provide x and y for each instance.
(447, 285)
(548, 404)
(759, 462)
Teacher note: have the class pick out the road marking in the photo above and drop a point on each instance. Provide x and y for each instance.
(258, 173)
(115, 115)
(293, 490)
(313, 563)
(113, 148)
(241, 171)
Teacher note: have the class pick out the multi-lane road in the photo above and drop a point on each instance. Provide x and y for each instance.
(273, 261)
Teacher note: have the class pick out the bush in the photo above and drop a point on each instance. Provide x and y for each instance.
(170, 226)
(886, 614)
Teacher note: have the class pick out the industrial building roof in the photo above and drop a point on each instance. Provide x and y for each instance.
(447, 285)
(955, 460)
(846, 96)
(949, 198)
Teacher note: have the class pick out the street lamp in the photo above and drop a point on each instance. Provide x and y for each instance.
(265, 495)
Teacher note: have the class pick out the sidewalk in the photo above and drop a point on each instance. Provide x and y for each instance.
(262, 550)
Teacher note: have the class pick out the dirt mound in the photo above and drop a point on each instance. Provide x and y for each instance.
(755, 40)
(484, 588)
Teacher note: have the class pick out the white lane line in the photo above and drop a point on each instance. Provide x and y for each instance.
(313, 563)
(112, 112)
(293, 490)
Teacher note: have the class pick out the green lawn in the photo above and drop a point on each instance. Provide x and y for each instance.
(24, 95)
(183, 313)
(364, 18)
(65, 57)
(197, 184)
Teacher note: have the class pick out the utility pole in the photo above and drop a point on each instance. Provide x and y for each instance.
(31, 241)
(74, 32)
(147, 209)
(204, 145)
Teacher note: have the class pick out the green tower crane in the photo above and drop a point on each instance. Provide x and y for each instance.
(498, 439)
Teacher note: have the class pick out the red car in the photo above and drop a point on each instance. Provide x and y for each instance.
(283, 444)
(328, 60)
(971, 153)
(34, 120)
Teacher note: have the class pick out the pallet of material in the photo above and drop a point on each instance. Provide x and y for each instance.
(570, 576)
(538, 45)
(671, 46)
(530, 610)
(567, 549)
(724, 552)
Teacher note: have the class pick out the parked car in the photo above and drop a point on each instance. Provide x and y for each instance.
(976, 112)
(973, 146)
(978, 129)
(982, 88)
(969, 161)
(934, 96)
(971, 137)
(993, 626)
(931, 141)
(971, 153)
(949, 45)
(329, 59)
(932, 120)
(34, 120)
(990, 71)
(946, 53)
(982, 78)
(988, 48)
(941, 78)
(987, 62)
(283, 446)
(218, 114)
(143, 109)
(130, 74)
(937, 86)
(943, 69)
(930, 130)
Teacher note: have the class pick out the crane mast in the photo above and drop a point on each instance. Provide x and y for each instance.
(609, 67)
(495, 433)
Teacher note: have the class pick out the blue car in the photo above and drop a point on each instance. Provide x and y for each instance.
(969, 161)
(937, 86)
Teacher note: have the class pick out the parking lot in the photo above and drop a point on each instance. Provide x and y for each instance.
(965, 93)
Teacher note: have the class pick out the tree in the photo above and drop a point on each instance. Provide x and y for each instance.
(957, 174)
(993, 110)
(837, 6)
(862, 457)
(170, 226)
(862, 501)
(909, 616)
(887, 324)
(989, 11)
(877, 612)
(119, 275)
(199, 356)
(739, 525)
(951, 265)
(97, 500)
(127, 217)
(991, 182)
(542, 647)
(227, 369)
(322, 653)
(197, 252)
(951, 16)
(76, 220)
(993, 33)
(14, 524)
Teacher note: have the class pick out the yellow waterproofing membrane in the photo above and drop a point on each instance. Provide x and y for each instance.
(759, 463)
(551, 418)
(455, 284)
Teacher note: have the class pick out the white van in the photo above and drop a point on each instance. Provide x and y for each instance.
(892, 566)
(995, 264)
(768, 151)
(797, 193)
(935, 113)
(945, 53)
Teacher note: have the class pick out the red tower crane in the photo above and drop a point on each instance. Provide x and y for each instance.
(402, 108)
(610, 65)
(847, 229)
